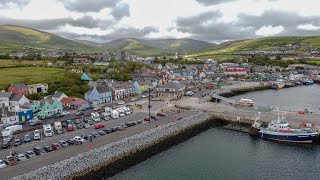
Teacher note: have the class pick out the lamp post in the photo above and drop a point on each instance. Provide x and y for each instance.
(149, 106)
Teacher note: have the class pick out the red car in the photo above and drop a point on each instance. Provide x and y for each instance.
(98, 126)
(70, 127)
(161, 114)
(56, 146)
(146, 119)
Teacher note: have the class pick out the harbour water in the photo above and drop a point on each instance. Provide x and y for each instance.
(224, 154)
(294, 99)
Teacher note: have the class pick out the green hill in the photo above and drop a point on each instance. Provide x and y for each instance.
(228, 48)
(17, 37)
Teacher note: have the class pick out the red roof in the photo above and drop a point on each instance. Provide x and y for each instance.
(74, 101)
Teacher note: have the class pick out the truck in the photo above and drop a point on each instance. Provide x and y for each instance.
(47, 130)
(114, 114)
(8, 132)
(58, 127)
(95, 116)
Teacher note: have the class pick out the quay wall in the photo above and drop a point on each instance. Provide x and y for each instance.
(115, 157)
(237, 91)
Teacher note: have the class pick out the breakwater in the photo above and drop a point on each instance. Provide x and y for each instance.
(115, 157)
(237, 91)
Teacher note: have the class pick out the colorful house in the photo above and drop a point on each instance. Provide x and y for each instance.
(137, 89)
(18, 89)
(74, 103)
(98, 95)
(46, 108)
(86, 77)
(25, 115)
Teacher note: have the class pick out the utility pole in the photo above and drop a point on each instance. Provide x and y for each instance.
(149, 106)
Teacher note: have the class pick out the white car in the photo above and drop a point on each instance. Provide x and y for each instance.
(121, 114)
(78, 139)
(36, 135)
(21, 157)
(2, 164)
(144, 96)
(133, 99)
(87, 126)
(65, 113)
(121, 102)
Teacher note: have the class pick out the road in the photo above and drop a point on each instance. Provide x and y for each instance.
(73, 150)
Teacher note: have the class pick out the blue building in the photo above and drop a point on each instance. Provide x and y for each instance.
(184, 73)
(86, 77)
(25, 115)
(99, 95)
(137, 89)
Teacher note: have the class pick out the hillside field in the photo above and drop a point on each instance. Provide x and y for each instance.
(13, 63)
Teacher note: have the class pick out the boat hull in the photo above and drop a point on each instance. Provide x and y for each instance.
(292, 138)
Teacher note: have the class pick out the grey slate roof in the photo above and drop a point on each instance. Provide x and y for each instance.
(20, 86)
(5, 94)
(16, 97)
(57, 95)
(103, 89)
(172, 85)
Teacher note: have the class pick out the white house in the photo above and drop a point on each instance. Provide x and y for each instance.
(37, 88)
(59, 96)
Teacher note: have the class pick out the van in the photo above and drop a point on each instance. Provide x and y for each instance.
(47, 130)
(11, 129)
(58, 127)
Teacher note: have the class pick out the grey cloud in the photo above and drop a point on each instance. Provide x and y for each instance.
(89, 5)
(205, 26)
(20, 3)
(120, 11)
(213, 2)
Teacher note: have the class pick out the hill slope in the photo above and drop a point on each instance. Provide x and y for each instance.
(13, 37)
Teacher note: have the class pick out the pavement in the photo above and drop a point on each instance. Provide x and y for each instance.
(73, 150)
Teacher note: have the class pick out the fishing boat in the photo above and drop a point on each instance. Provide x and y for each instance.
(278, 85)
(308, 82)
(245, 102)
(279, 130)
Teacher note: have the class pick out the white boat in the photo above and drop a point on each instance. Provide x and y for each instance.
(245, 102)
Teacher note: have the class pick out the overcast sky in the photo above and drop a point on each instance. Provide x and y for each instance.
(208, 20)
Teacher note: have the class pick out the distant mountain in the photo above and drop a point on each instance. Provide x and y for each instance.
(17, 37)
(176, 43)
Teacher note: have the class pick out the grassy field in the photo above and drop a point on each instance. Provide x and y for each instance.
(28, 75)
(12, 63)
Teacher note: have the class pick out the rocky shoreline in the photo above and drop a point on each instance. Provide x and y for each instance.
(82, 165)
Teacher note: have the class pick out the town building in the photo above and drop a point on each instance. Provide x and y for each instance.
(37, 88)
(171, 89)
(82, 60)
(74, 103)
(235, 71)
(18, 89)
(99, 95)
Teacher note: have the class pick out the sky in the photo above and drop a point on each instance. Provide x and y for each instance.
(207, 20)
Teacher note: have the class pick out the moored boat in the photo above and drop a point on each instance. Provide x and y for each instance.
(245, 102)
(308, 82)
(278, 85)
(279, 130)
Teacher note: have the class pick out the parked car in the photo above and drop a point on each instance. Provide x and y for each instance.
(95, 134)
(106, 118)
(34, 122)
(146, 119)
(101, 133)
(70, 127)
(121, 114)
(133, 99)
(154, 117)
(2, 164)
(87, 126)
(121, 102)
(129, 124)
(98, 126)
(71, 141)
(56, 146)
(30, 154)
(96, 108)
(10, 160)
(63, 143)
(17, 142)
(78, 121)
(5, 145)
(79, 113)
(36, 134)
(107, 130)
(48, 148)
(27, 138)
(82, 108)
(65, 113)
(78, 139)
(88, 137)
(80, 126)
(161, 114)
(144, 96)
(21, 157)
(140, 121)
(39, 151)
(57, 115)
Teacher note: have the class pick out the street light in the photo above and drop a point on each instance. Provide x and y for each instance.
(149, 106)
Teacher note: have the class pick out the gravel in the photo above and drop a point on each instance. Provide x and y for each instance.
(112, 151)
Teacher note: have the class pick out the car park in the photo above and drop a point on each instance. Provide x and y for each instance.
(48, 148)
(21, 157)
(34, 122)
(39, 151)
(106, 118)
(5, 145)
(87, 126)
(102, 133)
(36, 135)
(99, 126)
(70, 127)
(80, 126)
(88, 137)
(63, 143)
(79, 113)
(56, 146)
(78, 121)
(17, 142)
(27, 138)
(2, 164)
(30, 154)
(90, 122)
(161, 114)
(10, 160)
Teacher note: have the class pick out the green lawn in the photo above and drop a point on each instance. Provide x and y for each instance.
(12, 63)
(28, 75)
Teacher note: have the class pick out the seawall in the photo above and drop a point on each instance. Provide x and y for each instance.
(237, 91)
(113, 158)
